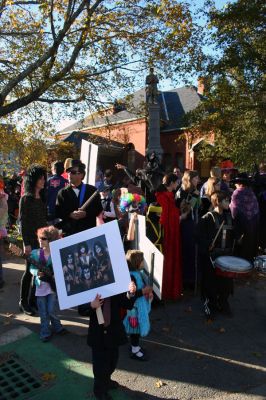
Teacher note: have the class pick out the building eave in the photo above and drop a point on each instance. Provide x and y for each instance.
(173, 130)
(91, 128)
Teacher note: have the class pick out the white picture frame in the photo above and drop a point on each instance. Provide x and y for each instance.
(105, 273)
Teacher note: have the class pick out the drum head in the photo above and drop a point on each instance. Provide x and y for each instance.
(233, 264)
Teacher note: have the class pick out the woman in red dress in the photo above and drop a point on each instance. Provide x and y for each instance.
(172, 270)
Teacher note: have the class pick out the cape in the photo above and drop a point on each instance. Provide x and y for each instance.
(172, 271)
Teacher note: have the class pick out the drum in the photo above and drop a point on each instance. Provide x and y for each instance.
(260, 263)
(232, 267)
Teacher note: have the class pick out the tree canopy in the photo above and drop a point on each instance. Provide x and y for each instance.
(234, 109)
(21, 149)
(77, 51)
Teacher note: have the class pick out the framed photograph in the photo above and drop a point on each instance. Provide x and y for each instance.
(89, 263)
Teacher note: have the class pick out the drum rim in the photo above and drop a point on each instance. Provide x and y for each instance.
(236, 272)
(247, 263)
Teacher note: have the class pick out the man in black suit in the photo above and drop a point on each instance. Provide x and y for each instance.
(71, 198)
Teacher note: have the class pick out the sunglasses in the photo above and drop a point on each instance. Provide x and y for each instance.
(74, 172)
(43, 238)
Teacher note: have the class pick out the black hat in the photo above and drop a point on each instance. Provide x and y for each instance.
(76, 163)
(243, 178)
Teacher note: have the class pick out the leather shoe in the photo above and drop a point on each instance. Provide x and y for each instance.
(26, 309)
(104, 396)
(46, 339)
(113, 385)
(63, 332)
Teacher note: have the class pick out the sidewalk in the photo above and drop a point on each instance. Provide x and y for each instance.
(41, 372)
(189, 359)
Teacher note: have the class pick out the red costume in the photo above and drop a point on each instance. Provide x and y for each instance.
(172, 271)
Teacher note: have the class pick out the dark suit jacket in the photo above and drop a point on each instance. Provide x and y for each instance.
(67, 202)
(114, 335)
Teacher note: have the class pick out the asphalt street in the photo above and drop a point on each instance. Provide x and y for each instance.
(188, 357)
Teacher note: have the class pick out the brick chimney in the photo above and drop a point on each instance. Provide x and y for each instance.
(201, 85)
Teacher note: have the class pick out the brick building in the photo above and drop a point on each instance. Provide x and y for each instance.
(122, 131)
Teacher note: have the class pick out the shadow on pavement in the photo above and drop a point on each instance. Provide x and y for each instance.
(189, 358)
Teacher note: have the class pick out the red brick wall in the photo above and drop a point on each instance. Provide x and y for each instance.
(135, 132)
(127, 132)
(176, 150)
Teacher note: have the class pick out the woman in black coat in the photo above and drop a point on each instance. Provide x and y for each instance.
(32, 216)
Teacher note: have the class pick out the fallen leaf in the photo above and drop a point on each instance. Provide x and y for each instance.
(159, 384)
(208, 321)
(166, 329)
(221, 330)
(48, 376)
(10, 315)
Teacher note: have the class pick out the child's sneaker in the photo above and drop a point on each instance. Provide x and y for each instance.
(113, 385)
(46, 339)
(63, 332)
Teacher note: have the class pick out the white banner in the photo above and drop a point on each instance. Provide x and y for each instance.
(150, 250)
(88, 155)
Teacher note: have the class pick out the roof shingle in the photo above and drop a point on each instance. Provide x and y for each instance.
(174, 105)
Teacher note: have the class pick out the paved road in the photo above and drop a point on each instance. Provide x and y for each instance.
(189, 359)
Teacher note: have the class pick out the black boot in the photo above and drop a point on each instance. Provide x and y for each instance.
(26, 309)
(225, 307)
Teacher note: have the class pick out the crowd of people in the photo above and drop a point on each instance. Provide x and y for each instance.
(193, 224)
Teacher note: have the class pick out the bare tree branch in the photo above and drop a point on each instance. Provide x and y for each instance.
(62, 101)
(2, 6)
(49, 53)
(45, 85)
(13, 33)
(6, 62)
(26, 2)
(52, 20)
(87, 47)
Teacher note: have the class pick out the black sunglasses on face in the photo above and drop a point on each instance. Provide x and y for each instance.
(74, 172)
